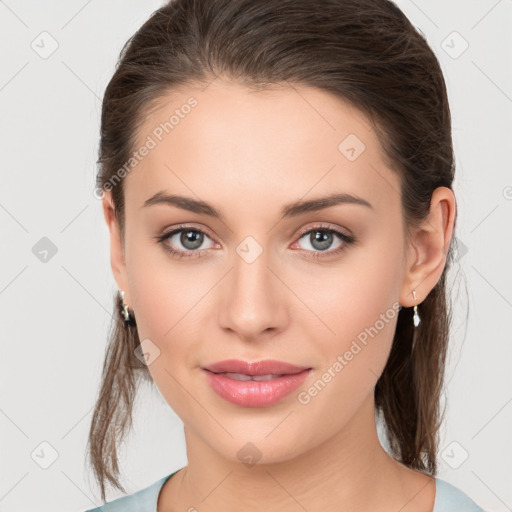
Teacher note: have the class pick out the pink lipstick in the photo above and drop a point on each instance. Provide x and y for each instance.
(256, 384)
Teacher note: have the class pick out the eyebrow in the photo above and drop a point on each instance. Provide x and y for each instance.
(290, 210)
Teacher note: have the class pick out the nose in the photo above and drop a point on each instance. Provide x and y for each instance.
(253, 298)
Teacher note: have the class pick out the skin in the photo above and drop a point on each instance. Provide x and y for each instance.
(248, 154)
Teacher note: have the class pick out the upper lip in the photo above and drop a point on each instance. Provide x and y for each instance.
(264, 367)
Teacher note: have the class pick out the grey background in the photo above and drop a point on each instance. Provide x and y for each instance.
(55, 307)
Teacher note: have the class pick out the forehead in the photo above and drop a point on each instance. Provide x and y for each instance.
(283, 141)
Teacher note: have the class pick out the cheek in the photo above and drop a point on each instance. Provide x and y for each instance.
(162, 289)
(162, 301)
(353, 361)
(169, 301)
(353, 296)
(356, 309)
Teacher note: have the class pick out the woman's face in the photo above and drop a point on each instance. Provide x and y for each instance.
(253, 283)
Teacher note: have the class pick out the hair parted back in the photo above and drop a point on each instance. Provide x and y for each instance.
(367, 53)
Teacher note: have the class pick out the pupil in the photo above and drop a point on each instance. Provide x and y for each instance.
(321, 240)
(187, 239)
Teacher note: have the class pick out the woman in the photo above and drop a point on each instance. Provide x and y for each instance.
(276, 177)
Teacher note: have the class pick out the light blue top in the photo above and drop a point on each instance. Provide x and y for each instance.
(448, 499)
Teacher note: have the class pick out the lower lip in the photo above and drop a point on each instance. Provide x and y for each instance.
(252, 393)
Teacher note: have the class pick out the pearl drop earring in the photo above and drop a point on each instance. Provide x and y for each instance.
(416, 318)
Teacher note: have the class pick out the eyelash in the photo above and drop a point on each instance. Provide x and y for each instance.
(347, 240)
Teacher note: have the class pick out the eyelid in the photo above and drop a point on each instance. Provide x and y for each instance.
(189, 227)
(324, 227)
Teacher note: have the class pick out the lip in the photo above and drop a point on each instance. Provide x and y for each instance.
(252, 393)
(264, 367)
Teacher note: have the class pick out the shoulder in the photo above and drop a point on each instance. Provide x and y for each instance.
(144, 500)
(451, 499)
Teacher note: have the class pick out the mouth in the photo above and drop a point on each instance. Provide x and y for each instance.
(257, 384)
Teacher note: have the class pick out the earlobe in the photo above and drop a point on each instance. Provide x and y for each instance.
(429, 247)
(117, 259)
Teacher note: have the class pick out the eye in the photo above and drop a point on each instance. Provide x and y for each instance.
(188, 237)
(320, 239)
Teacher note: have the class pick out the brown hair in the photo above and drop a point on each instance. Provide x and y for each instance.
(364, 51)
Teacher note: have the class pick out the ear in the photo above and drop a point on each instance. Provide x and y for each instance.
(427, 250)
(117, 259)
